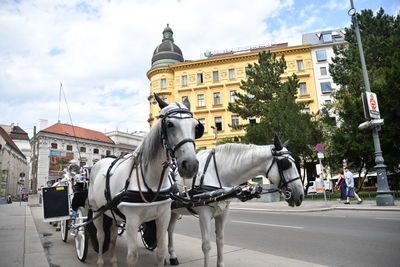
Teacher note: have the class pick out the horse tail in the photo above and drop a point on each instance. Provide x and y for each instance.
(107, 221)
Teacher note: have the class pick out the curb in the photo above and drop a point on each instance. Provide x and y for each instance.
(320, 209)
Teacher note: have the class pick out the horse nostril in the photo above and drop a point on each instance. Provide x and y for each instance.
(184, 164)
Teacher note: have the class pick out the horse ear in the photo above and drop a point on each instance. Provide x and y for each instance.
(161, 103)
(277, 143)
(186, 102)
(286, 143)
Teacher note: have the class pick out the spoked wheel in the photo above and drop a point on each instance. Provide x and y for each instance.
(81, 235)
(148, 234)
(64, 229)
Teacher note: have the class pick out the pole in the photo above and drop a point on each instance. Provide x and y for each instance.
(322, 178)
(383, 196)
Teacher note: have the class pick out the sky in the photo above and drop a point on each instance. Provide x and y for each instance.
(101, 50)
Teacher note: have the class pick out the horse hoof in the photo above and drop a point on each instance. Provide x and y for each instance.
(174, 261)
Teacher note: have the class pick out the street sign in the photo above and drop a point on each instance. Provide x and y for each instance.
(320, 155)
(23, 188)
(370, 103)
(319, 148)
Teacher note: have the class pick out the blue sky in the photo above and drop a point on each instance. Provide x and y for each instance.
(101, 50)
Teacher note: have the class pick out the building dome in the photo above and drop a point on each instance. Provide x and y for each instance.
(167, 52)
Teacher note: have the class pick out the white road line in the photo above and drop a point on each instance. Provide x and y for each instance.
(266, 224)
(391, 219)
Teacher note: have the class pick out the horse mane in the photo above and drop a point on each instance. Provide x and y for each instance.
(150, 145)
(234, 152)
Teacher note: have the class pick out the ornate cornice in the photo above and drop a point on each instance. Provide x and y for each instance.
(158, 70)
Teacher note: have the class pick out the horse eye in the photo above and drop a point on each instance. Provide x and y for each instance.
(170, 124)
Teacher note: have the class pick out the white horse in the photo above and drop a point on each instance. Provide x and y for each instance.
(140, 181)
(236, 163)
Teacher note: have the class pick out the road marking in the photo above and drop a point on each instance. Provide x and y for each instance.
(383, 218)
(267, 224)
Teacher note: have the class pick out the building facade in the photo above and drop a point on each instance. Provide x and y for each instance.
(210, 83)
(13, 166)
(55, 146)
(322, 44)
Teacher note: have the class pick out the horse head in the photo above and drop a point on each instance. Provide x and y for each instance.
(178, 132)
(285, 174)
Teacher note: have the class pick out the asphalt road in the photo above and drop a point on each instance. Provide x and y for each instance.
(334, 238)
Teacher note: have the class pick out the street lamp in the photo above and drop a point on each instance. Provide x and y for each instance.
(384, 196)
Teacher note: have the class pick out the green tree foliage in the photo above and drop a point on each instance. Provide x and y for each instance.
(274, 103)
(380, 36)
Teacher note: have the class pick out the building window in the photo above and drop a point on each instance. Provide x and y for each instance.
(235, 120)
(184, 80)
(323, 71)
(108, 153)
(215, 76)
(300, 65)
(328, 102)
(232, 98)
(200, 100)
(217, 98)
(69, 147)
(218, 123)
(247, 70)
(83, 149)
(199, 78)
(327, 37)
(326, 87)
(252, 120)
(231, 74)
(54, 145)
(96, 151)
(321, 55)
(303, 89)
(163, 83)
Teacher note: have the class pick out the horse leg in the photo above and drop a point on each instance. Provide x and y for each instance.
(113, 243)
(98, 223)
(205, 215)
(219, 234)
(173, 259)
(132, 226)
(162, 225)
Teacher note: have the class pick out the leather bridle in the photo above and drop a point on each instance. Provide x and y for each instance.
(283, 183)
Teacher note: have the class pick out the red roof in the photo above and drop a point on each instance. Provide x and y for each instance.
(9, 141)
(78, 132)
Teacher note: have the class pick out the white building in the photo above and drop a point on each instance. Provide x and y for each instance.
(58, 144)
(322, 53)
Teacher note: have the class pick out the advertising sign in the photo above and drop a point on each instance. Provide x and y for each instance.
(58, 161)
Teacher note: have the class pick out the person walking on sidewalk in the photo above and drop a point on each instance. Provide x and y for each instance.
(342, 186)
(350, 187)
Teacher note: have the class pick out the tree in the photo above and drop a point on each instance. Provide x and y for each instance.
(266, 97)
(380, 36)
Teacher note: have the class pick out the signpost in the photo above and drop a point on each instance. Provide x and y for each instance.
(320, 155)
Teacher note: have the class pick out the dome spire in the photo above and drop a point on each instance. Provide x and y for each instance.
(168, 34)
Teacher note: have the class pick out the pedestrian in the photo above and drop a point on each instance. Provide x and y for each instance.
(342, 186)
(350, 187)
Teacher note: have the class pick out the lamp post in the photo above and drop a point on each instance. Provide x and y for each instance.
(384, 196)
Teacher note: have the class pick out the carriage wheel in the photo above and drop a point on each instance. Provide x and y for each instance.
(147, 233)
(81, 235)
(64, 229)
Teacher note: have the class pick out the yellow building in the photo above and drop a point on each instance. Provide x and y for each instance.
(209, 83)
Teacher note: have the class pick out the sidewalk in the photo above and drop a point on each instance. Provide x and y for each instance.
(313, 205)
(21, 245)
(20, 242)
